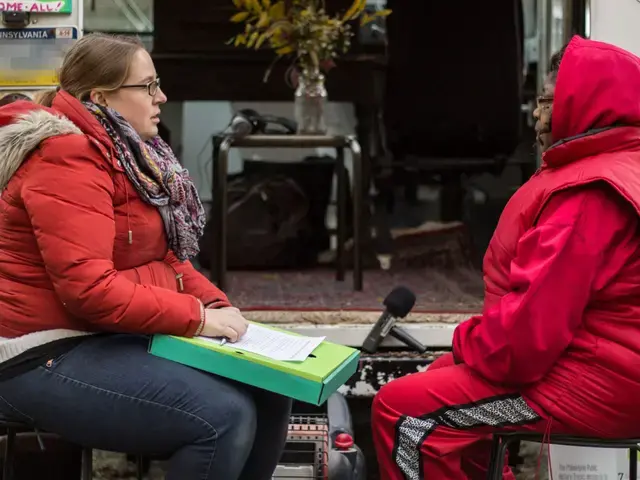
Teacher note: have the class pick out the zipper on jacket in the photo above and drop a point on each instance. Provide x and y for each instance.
(179, 276)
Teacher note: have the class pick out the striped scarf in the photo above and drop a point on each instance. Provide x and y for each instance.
(159, 179)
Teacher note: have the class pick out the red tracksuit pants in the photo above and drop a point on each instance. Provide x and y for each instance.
(437, 425)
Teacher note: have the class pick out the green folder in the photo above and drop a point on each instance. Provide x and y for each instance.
(312, 381)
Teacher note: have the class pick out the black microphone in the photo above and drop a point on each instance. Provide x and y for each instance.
(398, 304)
(239, 126)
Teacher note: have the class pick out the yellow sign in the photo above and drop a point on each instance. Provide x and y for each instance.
(31, 56)
(28, 78)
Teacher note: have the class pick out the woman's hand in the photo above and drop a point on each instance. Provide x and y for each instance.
(224, 322)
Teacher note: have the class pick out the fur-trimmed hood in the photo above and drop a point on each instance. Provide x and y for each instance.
(23, 126)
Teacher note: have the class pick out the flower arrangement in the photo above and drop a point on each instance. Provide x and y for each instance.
(299, 29)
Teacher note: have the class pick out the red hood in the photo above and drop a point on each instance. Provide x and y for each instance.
(598, 86)
(10, 112)
(65, 106)
(24, 125)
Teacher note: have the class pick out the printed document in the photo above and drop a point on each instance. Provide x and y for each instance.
(274, 344)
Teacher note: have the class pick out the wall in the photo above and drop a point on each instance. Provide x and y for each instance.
(202, 119)
(616, 21)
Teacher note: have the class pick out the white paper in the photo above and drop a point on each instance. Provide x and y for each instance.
(273, 344)
(579, 463)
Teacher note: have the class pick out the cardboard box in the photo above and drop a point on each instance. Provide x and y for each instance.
(312, 381)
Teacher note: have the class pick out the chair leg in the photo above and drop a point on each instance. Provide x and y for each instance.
(633, 464)
(495, 448)
(341, 217)
(360, 192)
(498, 465)
(139, 467)
(87, 464)
(9, 447)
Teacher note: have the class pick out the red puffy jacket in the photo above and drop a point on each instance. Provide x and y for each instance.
(79, 248)
(561, 319)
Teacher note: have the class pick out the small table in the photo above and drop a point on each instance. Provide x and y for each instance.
(339, 142)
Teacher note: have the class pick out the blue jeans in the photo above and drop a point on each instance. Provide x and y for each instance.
(109, 393)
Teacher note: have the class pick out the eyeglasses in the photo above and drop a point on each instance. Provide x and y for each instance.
(152, 87)
(544, 101)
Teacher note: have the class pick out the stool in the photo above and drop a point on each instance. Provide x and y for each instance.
(501, 442)
(12, 428)
(221, 149)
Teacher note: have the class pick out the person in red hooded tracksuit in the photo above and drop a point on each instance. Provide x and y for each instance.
(557, 346)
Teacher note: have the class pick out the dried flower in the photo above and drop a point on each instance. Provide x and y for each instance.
(299, 29)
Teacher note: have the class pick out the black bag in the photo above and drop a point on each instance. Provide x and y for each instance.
(267, 222)
(314, 175)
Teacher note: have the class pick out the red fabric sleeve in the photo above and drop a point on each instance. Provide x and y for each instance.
(68, 196)
(196, 284)
(518, 340)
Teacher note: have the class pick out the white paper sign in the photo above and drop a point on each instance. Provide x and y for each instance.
(578, 463)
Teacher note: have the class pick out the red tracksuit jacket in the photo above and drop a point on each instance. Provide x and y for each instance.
(547, 333)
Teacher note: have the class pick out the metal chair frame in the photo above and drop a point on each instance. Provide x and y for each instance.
(13, 428)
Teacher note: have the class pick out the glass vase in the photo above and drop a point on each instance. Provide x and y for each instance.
(310, 103)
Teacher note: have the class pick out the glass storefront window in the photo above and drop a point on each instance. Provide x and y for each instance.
(120, 16)
(135, 16)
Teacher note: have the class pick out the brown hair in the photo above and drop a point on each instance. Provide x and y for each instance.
(554, 63)
(96, 61)
(12, 97)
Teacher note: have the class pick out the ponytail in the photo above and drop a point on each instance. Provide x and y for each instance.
(45, 97)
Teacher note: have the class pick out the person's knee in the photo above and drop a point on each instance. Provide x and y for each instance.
(242, 417)
(446, 360)
(384, 401)
(231, 414)
(238, 419)
(398, 397)
(222, 423)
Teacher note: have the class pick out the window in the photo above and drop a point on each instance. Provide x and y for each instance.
(120, 16)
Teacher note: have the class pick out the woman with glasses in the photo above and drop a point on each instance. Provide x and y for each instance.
(98, 221)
